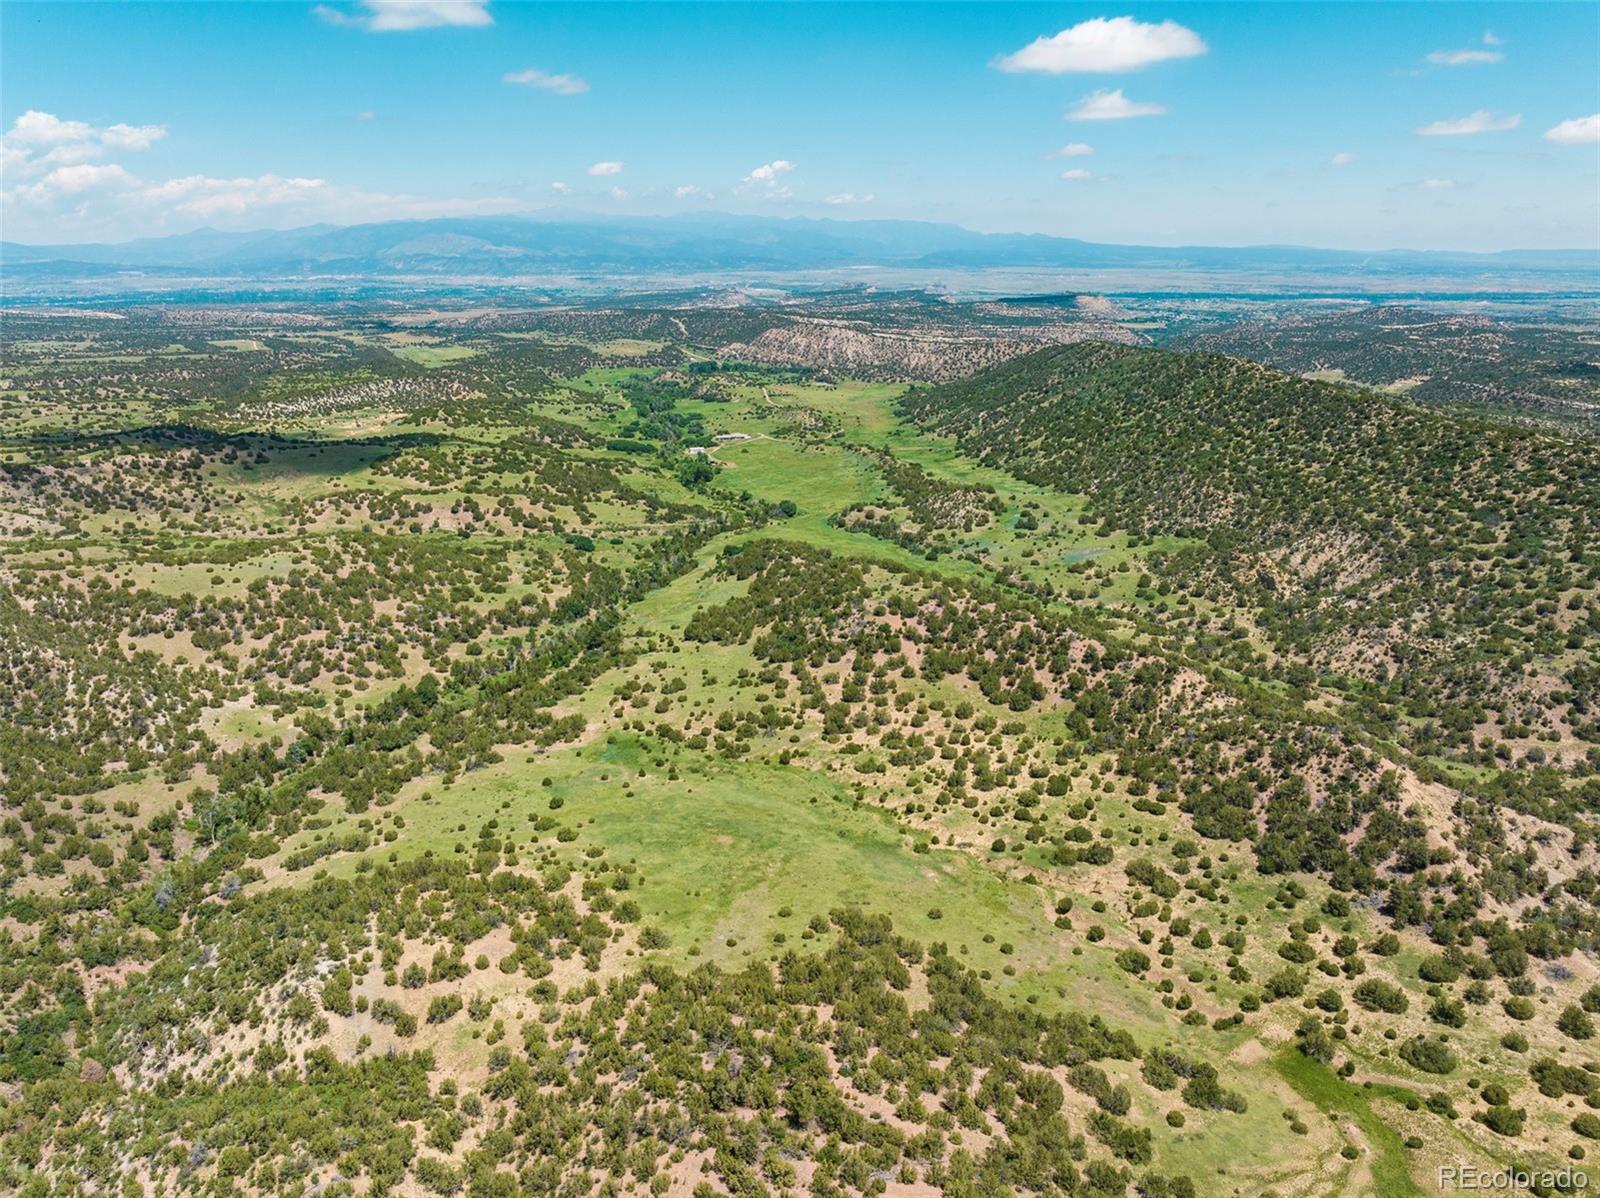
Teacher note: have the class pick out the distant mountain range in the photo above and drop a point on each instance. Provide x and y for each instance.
(510, 247)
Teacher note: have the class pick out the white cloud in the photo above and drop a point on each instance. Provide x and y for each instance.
(687, 191)
(1579, 131)
(769, 172)
(560, 188)
(600, 169)
(73, 200)
(618, 193)
(848, 197)
(1076, 149)
(562, 85)
(205, 198)
(1111, 106)
(34, 128)
(1481, 121)
(1342, 158)
(39, 142)
(1077, 175)
(248, 200)
(367, 115)
(88, 177)
(43, 130)
(77, 180)
(1469, 58)
(766, 180)
(1464, 58)
(1105, 44)
(131, 137)
(1438, 184)
(62, 155)
(401, 16)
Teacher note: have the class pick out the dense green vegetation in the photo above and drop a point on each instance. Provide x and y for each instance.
(1443, 571)
(513, 753)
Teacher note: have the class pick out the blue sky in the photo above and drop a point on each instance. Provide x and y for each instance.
(1350, 125)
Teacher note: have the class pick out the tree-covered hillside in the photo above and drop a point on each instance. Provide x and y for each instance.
(529, 753)
(1443, 563)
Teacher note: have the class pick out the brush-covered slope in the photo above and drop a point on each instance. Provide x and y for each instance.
(1444, 563)
(491, 756)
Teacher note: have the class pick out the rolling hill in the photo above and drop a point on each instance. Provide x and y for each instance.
(512, 246)
(1442, 559)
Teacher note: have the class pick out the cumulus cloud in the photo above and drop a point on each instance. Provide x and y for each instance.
(1438, 184)
(402, 16)
(685, 192)
(848, 197)
(767, 179)
(769, 172)
(560, 188)
(1111, 106)
(35, 128)
(1579, 131)
(619, 193)
(42, 128)
(242, 200)
(1481, 121)
(1105, 44)
(89, 176)
(72, 181)
(204, 197)
(562, 85)
(56, 190)
(1342, 158)
(39, 142)
(1076, 149)
(131, 137)
(601, 169)
(1077, 175)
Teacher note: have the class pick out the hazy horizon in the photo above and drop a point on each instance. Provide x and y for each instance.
(555, 214)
